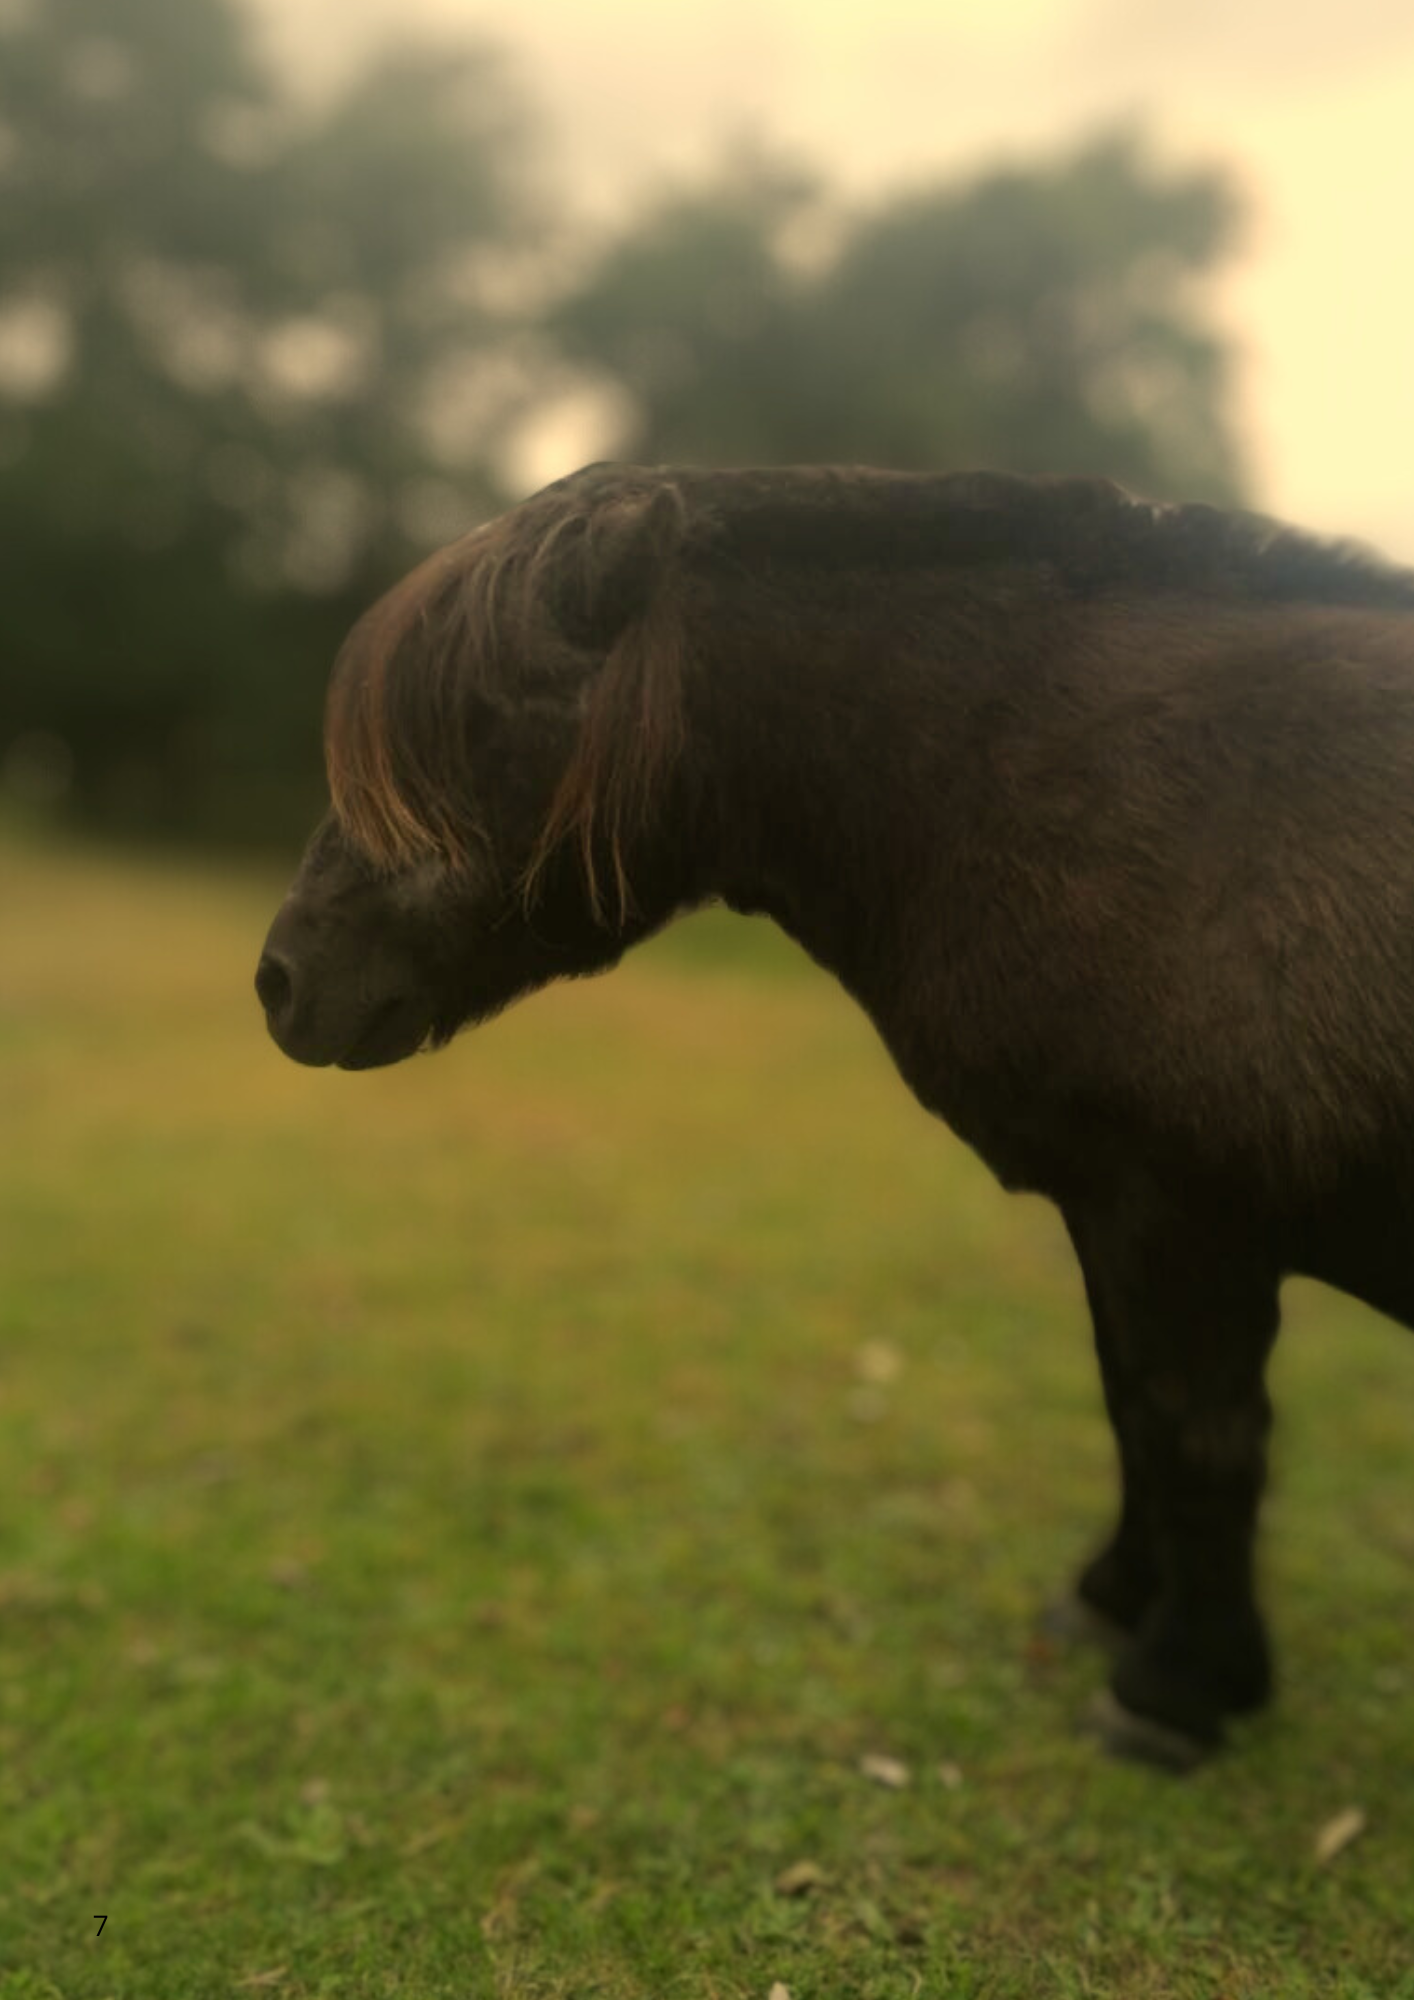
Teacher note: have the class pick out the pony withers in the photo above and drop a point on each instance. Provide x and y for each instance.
(1103, 812)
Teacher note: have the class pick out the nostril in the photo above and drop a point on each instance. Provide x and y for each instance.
(273, 986)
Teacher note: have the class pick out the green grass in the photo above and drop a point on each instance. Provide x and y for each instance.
(454, 1539)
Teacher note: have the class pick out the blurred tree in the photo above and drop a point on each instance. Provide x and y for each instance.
(250, 362)
(257, 354)
(1046, 320)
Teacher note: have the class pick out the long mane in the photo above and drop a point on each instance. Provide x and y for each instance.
(403, 689)
(470, 633)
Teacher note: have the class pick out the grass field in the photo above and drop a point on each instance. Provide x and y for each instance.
(463, 1530)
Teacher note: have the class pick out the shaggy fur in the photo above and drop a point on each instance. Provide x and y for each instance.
(424, 669)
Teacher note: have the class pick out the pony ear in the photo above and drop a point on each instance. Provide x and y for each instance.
(605, 566)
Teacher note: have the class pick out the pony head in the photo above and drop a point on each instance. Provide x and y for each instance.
(502, 731)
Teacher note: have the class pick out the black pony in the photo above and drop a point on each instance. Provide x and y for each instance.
(1103, 812)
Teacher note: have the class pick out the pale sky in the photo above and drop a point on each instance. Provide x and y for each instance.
(1312, 106)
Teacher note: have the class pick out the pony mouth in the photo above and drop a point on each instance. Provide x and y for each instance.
(398, 1030)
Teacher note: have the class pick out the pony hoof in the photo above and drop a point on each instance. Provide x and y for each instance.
(1070, 1621)
(1139, 1739)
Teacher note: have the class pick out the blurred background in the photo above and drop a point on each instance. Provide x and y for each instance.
(291, 290)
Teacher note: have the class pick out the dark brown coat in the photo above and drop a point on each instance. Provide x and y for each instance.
(1103, 812)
